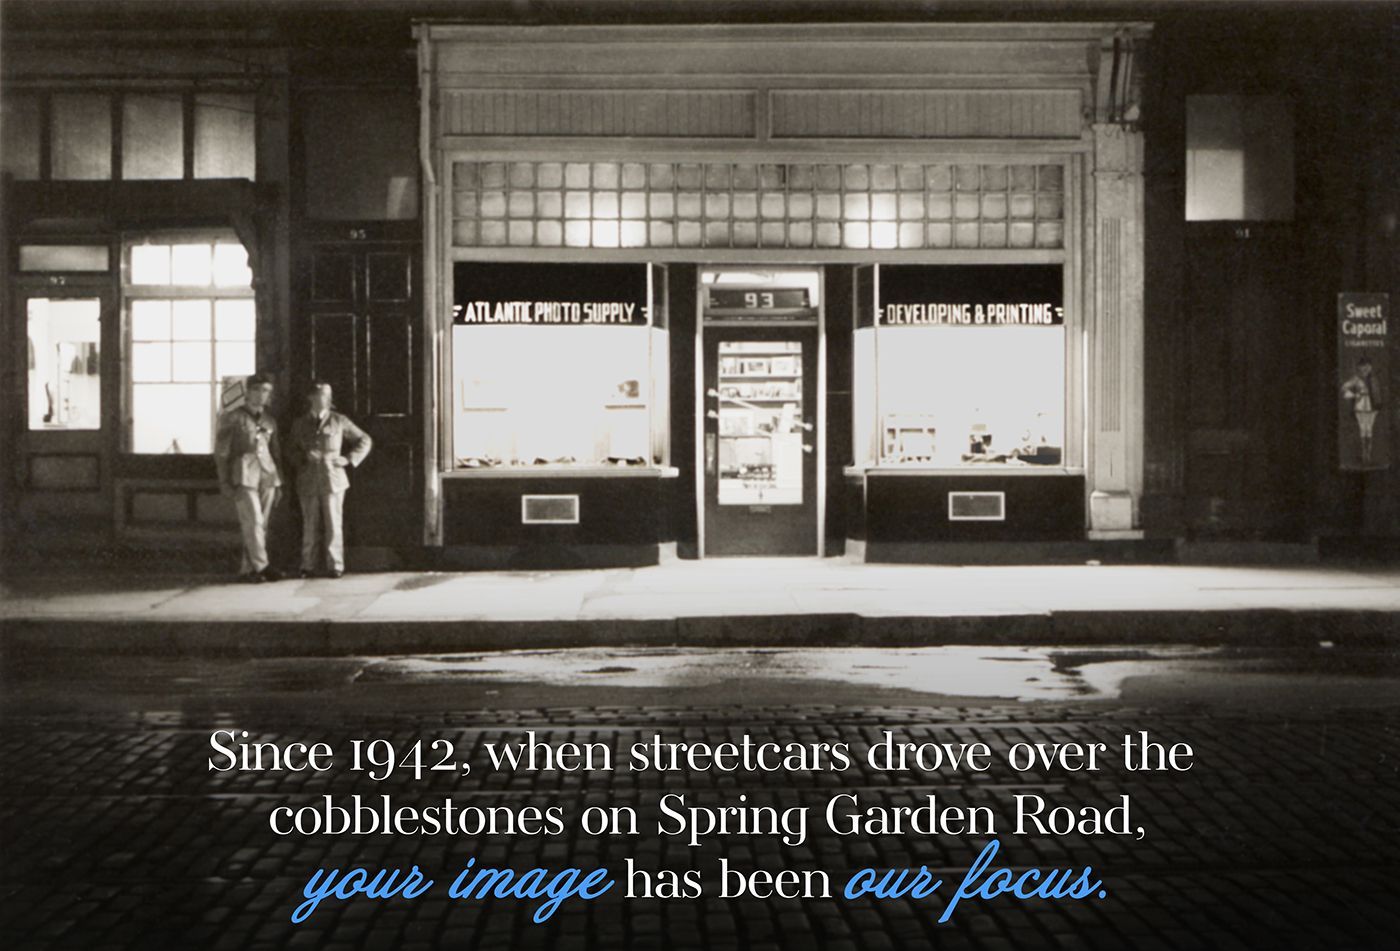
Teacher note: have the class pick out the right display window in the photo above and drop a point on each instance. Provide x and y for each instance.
(966, 364)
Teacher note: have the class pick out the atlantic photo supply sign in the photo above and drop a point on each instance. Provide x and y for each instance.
(550, 295)
(1363, 381)
(970, 296)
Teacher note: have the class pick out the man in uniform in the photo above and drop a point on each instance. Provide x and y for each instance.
(317, 450)
(245, 452)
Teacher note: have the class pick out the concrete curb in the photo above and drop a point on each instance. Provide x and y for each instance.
(22, 637)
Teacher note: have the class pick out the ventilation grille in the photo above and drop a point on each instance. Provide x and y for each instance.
(976, 506)
(549, 509)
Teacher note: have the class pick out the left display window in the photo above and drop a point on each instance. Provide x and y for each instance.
(559, 365)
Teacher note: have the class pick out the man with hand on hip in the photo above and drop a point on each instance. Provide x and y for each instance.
(319, 441)
(245, 453)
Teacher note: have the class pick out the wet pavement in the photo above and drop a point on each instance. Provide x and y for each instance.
(1283, 833)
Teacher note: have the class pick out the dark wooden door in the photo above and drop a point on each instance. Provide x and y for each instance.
(358, 331)
(760, 441)
(1250, 444)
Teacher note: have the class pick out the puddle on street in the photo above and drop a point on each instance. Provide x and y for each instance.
(1009, 673)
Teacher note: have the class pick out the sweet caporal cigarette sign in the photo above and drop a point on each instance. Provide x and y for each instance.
(1364, 391)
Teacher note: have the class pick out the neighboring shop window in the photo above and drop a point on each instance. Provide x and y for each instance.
(1239, 158)
(65, 365)
(967, 365)
(368, 177)
(727, 205)
(191, 322)
(155, 142)
(558, 365)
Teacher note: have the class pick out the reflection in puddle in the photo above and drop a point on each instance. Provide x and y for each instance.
(1025, 674)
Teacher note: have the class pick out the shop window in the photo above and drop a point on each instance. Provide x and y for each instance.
(153, 136)
(967, 365)
(1239, 158)
(693, 205)
(367, 177)
(557, 365)
(191, 323)
(65, 366)
(19, 135)
(81, 136)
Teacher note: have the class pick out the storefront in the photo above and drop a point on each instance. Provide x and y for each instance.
(144, 265)
(780, 290)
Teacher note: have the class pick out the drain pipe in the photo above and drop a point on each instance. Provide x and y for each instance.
(432, 426)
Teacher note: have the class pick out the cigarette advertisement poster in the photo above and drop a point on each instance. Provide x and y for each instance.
(1364, 416)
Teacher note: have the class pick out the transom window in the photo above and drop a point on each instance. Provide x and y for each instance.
(191, 323)
(131, 135)
(741, 205)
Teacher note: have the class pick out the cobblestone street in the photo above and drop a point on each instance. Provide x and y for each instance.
(1283, 834)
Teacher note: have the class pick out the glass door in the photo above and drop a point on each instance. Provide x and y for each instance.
(760, 441)
(62, 452)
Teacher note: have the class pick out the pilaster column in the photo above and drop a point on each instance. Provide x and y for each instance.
(1116, 333)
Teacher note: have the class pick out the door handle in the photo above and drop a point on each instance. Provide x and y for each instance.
(710, 453)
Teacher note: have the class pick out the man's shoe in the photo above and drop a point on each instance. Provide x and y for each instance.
(251, 577)
(306, 573)
(271, 574)
(335, 573)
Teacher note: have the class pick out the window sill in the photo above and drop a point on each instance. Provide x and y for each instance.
(992, 469)
(565, 472)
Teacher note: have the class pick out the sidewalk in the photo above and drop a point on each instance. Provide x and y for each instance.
(758, 602)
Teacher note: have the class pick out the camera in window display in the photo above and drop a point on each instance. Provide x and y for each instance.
(1031, 448)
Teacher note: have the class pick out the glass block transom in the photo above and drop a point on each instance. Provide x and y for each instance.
(735, 205)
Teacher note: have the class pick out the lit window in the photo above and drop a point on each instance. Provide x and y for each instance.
(577, 205)
(558, 365)
(65, 375)
(965, 367)
(1239, 158)
(63, 257)
(191, 323)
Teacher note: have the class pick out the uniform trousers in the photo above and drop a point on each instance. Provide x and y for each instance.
(254, 505)
(321, 516)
